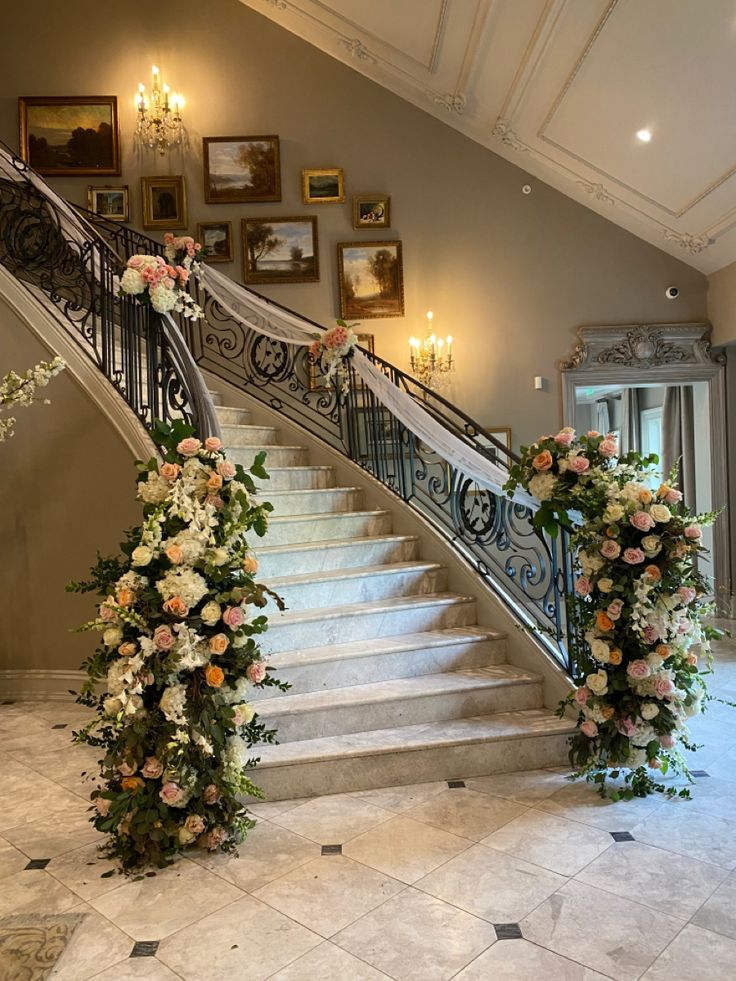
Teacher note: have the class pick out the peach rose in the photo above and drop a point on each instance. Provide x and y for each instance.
(214, 483)
(163, 638)
(214, 675)
(615, 657)
(175, 555)
(126, 597)
(603, 621)
(579, 464)
(212, 444)
(645, 496)
(610, 550)
(652, 572)
(127, 649)
(176, 607)
(543, 460)
(133, 784)
(607, 711)
(170, 471)
(226, 469)
(219, 644)
(152, 768)
(189, 446)
(171, 793)
(250, 564)
(256, 672)
(211, 794)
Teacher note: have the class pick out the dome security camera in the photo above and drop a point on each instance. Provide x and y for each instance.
(672, 292)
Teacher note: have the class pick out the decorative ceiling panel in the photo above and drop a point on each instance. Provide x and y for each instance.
(561, 87)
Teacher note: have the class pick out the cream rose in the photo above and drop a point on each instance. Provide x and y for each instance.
(605, 585)
(661, 513)
(597, 682)
(141, 556)
(210, 613)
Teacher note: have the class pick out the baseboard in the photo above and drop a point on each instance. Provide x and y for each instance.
(36, 684)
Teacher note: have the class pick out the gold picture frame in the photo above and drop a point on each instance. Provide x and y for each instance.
(280, 250)
(363, 262)
(325, 185)
(164, 202)
(241, 169)
(70, 136)
(109, 201)
(371, 211)
(217, 236)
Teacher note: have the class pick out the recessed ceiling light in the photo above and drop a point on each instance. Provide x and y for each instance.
(644, 135)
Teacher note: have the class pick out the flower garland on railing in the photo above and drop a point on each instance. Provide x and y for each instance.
(177, 658)
(153, 280)
(638, 606)
(20, 390)
(332, 349)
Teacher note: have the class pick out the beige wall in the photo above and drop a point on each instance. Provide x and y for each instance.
(67, 490)
(722, 304)
(509, 275)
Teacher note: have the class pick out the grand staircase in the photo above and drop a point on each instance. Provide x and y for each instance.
(393, 681)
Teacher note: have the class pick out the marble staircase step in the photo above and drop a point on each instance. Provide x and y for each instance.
(314, 590)
(294, 478)
(230, 415)
(498, 743)
(282, 560)
(276, 455)
(402, 701)
(319, 500)
(364, 621)
(292, 529)
(239, 435)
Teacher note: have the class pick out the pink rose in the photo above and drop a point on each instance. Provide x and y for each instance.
(581, 695)
(211, 794)
(611, 549)
(233, 617)
(663, 686)
(169, 471)
(667, 740)
(592, 433)
(582, 586)
(212, 444)
(634, 556)
(171, 793)
(152, 768)
(626, 727)
(182, 273)
(693, 531)
(642, 520)
(315, 349)
(215, 501)
(163, 638)
(565, 437)
(578, 464)
(102, 806)
(543, 461)
(650, 635)
(226, 469)
(168, 238)
(189, 446)
(256, 672)
(135, 262)
(614, 608)
(589, 729)
(638, 670)
(687, 594)
(673, 496)
(106, 613)
(608, 447)
(214, 839)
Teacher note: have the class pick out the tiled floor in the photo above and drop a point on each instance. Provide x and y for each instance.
(516, 876)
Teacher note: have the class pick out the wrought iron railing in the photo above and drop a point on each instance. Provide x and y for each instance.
(529, 570)
(72, 275)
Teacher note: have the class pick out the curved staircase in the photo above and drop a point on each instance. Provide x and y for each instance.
(393, 681)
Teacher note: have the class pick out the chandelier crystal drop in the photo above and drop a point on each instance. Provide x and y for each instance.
(431, 358)
(159, 126)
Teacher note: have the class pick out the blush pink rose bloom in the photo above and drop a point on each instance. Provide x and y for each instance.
(163, 638)
(211, 794)
(592, 433)
(226, 469)
(215, 500)
(589, 729)
(638, 670)
(634, 556)
(189, 446)
(614, 608)
(687, 594)
(579, 464)
(663, 687)
(608, 447)
(673, 496)
(171, 793)
(693, 531)
(650, 635)
(564, 438)
(215, 838)
(106, 613)
(152, 768)
(256, 672)
(642, 520)
(582, 586)
(667, 740)
(233, 617)
(612, 550)
(626, 727)
(581, 695)
(102, 806)
(213, 444)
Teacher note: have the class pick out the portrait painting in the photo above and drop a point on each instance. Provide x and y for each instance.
(164, 202)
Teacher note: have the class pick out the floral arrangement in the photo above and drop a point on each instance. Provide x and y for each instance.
(177, 657)
(161, 282)
(330, 349)
(638, 605)
(18, 389)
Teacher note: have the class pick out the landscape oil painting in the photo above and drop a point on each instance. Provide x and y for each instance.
(241, 168)
(280, 250)
(371, 279)
(323, 186)
(75, 136)
(217, 238)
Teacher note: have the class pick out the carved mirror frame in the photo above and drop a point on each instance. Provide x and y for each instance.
(661, 354)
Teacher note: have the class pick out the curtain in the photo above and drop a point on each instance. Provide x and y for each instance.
(678, 438)
(629, 420)
(602, 421)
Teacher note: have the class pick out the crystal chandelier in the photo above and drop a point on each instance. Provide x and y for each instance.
(431, 358)
(159, 125)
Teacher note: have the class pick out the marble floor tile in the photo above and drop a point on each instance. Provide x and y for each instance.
(695, 955)
(719, 912)
(55, 835)
(715, 796)
(415, 937)
(81, 869)
(581, 802)
(42, 800)
(724, 768)
(329, 893)
(663, 880)
(271, 808)
(690, 832)
(94, 946)
(400, 799)
(329, 963)
(34, 890)
(332, 820)
(246, 941)
(11, 860)
(604, 932)
(268, 852)
(466, 813)
(526, 787)
(172, 899)
(518, 960)
(405, 849)
(498, 887)
(138, 969)
(552, 842)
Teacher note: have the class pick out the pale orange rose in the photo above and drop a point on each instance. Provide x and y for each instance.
(645, 496)
(603, 621)
(214, 483)
(170, 471)
(132, 783)
(663, 651)
(250, 564)
(219, 644)
(615, 657)
(125, 596)
(652, 572)
(214, 675)
(174, 554)
(607, 711)
(127, 649)
(543, 460)
(176, 606)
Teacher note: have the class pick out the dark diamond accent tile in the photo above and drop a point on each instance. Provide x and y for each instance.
(699, 773)
(144, 948)
(507, 931)
(332, 849)
(60, 725)
(455, 784)
(38, 863)
(622, 836)
(7, 701)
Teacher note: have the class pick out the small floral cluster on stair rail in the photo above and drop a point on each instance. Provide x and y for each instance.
(161, 282)
(330, 349)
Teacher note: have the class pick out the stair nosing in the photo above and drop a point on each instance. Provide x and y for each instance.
(315, 490)
(371, 606)
(324, 516)
(354, 572)
(335, 543)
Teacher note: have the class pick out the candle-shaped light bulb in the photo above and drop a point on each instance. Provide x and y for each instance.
(430, 315)
(155, 73)
(166, 96)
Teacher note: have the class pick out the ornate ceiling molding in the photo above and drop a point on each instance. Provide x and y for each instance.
(693, 244)
(454, 102)
(356, 49)
(596, 191)
(502, 131)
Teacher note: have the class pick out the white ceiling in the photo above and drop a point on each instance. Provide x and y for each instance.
(561, 87)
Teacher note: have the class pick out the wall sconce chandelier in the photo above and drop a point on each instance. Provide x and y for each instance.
(431, 358)
(159, 125)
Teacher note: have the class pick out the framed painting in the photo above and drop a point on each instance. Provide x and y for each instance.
(280, 250)
(503, 435)
(164, 202)
(241, 169)
(217, 237)
(70, 136)
(371, 211)
(325, 186)
(109, 201)
(371, 279)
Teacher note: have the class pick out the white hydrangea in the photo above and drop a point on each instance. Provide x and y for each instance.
(154, 490)
(173, 704)
(132, 282)
(186, 583)
(542, 486)
(163, 299)
(192, 543)
(239, 693)
(115, 677)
